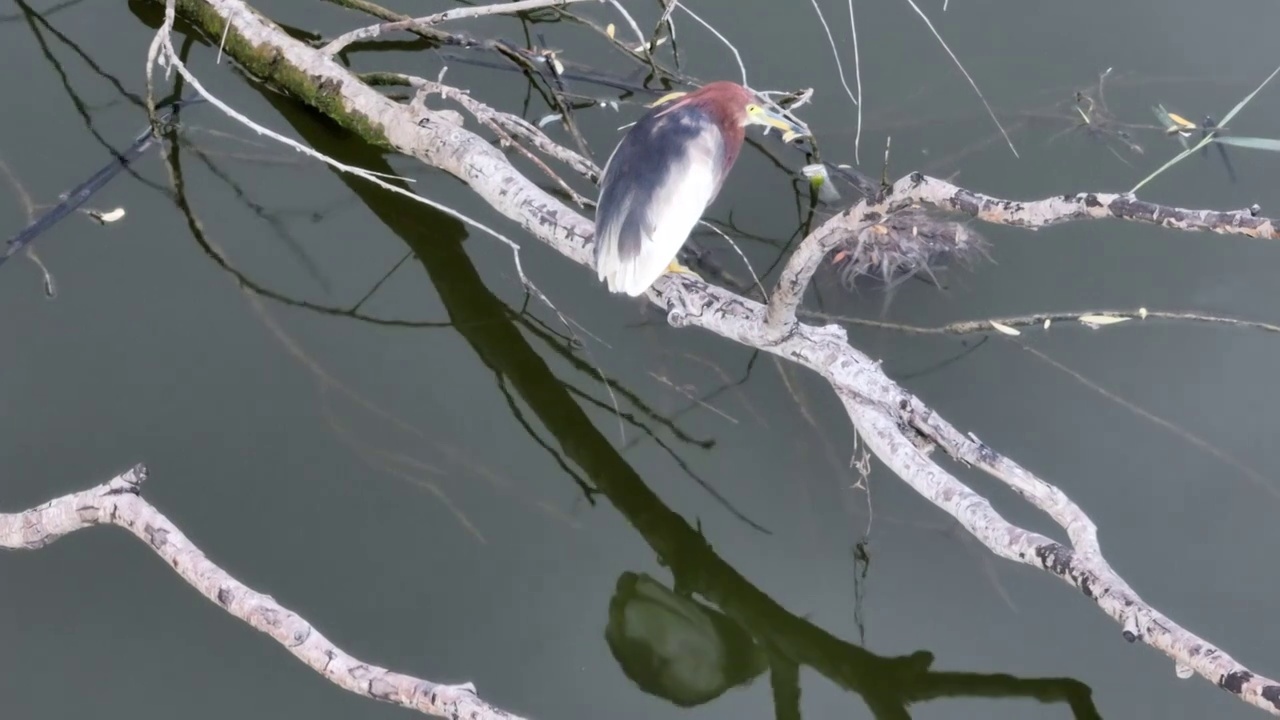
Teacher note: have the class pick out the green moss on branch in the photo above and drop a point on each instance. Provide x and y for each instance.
(270, 66)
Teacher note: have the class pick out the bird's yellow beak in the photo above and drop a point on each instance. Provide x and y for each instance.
(760, 115)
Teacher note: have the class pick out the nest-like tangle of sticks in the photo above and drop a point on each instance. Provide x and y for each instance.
(905, 244)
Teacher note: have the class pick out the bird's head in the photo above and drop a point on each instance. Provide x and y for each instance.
(733, 102)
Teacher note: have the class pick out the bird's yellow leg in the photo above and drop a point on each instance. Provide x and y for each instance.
(675, 267)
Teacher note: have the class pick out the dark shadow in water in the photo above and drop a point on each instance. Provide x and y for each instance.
(64, 5)
(889, 685)
(35, 21)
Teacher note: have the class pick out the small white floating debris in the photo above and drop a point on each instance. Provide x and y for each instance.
(557, 66)
(546, 120)
(1183, 671)
(610, 30)
(1046, 323)
(1004, 328)
(648, 47)
(1142, 313)
(1099, 320)
(107, 217)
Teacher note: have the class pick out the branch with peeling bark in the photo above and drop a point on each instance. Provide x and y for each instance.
(846, 228)
(897, 426)
(119, 502)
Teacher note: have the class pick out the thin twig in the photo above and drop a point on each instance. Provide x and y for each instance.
(857, 75)
(736, 56)
(336, 45)
(972, 84)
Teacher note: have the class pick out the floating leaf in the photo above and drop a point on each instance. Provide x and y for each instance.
(648, 47)
(1101, 319)
(1255, 143)
(1004, 328)
(107, 217)
(1185, 123)
(1209, 137)
(1163, 116)
(1174, 124)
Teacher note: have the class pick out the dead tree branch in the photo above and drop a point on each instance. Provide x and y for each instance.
(916, 189)
(899, 428)
(368, 33)
(118, 502)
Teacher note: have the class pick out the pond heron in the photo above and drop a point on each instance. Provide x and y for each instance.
(662, 176)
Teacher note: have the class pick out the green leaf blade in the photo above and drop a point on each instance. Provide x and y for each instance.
(1253, 143)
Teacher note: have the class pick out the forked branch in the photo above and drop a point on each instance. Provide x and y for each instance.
(119, 502)
(916, 189)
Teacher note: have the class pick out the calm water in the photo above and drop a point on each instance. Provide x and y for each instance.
(442, 488)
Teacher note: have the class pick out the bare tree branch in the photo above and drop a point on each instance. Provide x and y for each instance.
(916, 189)
(119, 502)
(1036, 214)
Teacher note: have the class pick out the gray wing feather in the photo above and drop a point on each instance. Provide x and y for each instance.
(657, 149)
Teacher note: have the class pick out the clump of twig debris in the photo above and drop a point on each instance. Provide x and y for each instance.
(905, 244)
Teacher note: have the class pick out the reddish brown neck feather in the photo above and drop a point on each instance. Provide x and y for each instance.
(726, 103)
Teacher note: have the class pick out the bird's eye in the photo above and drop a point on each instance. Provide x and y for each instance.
(753, 108)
